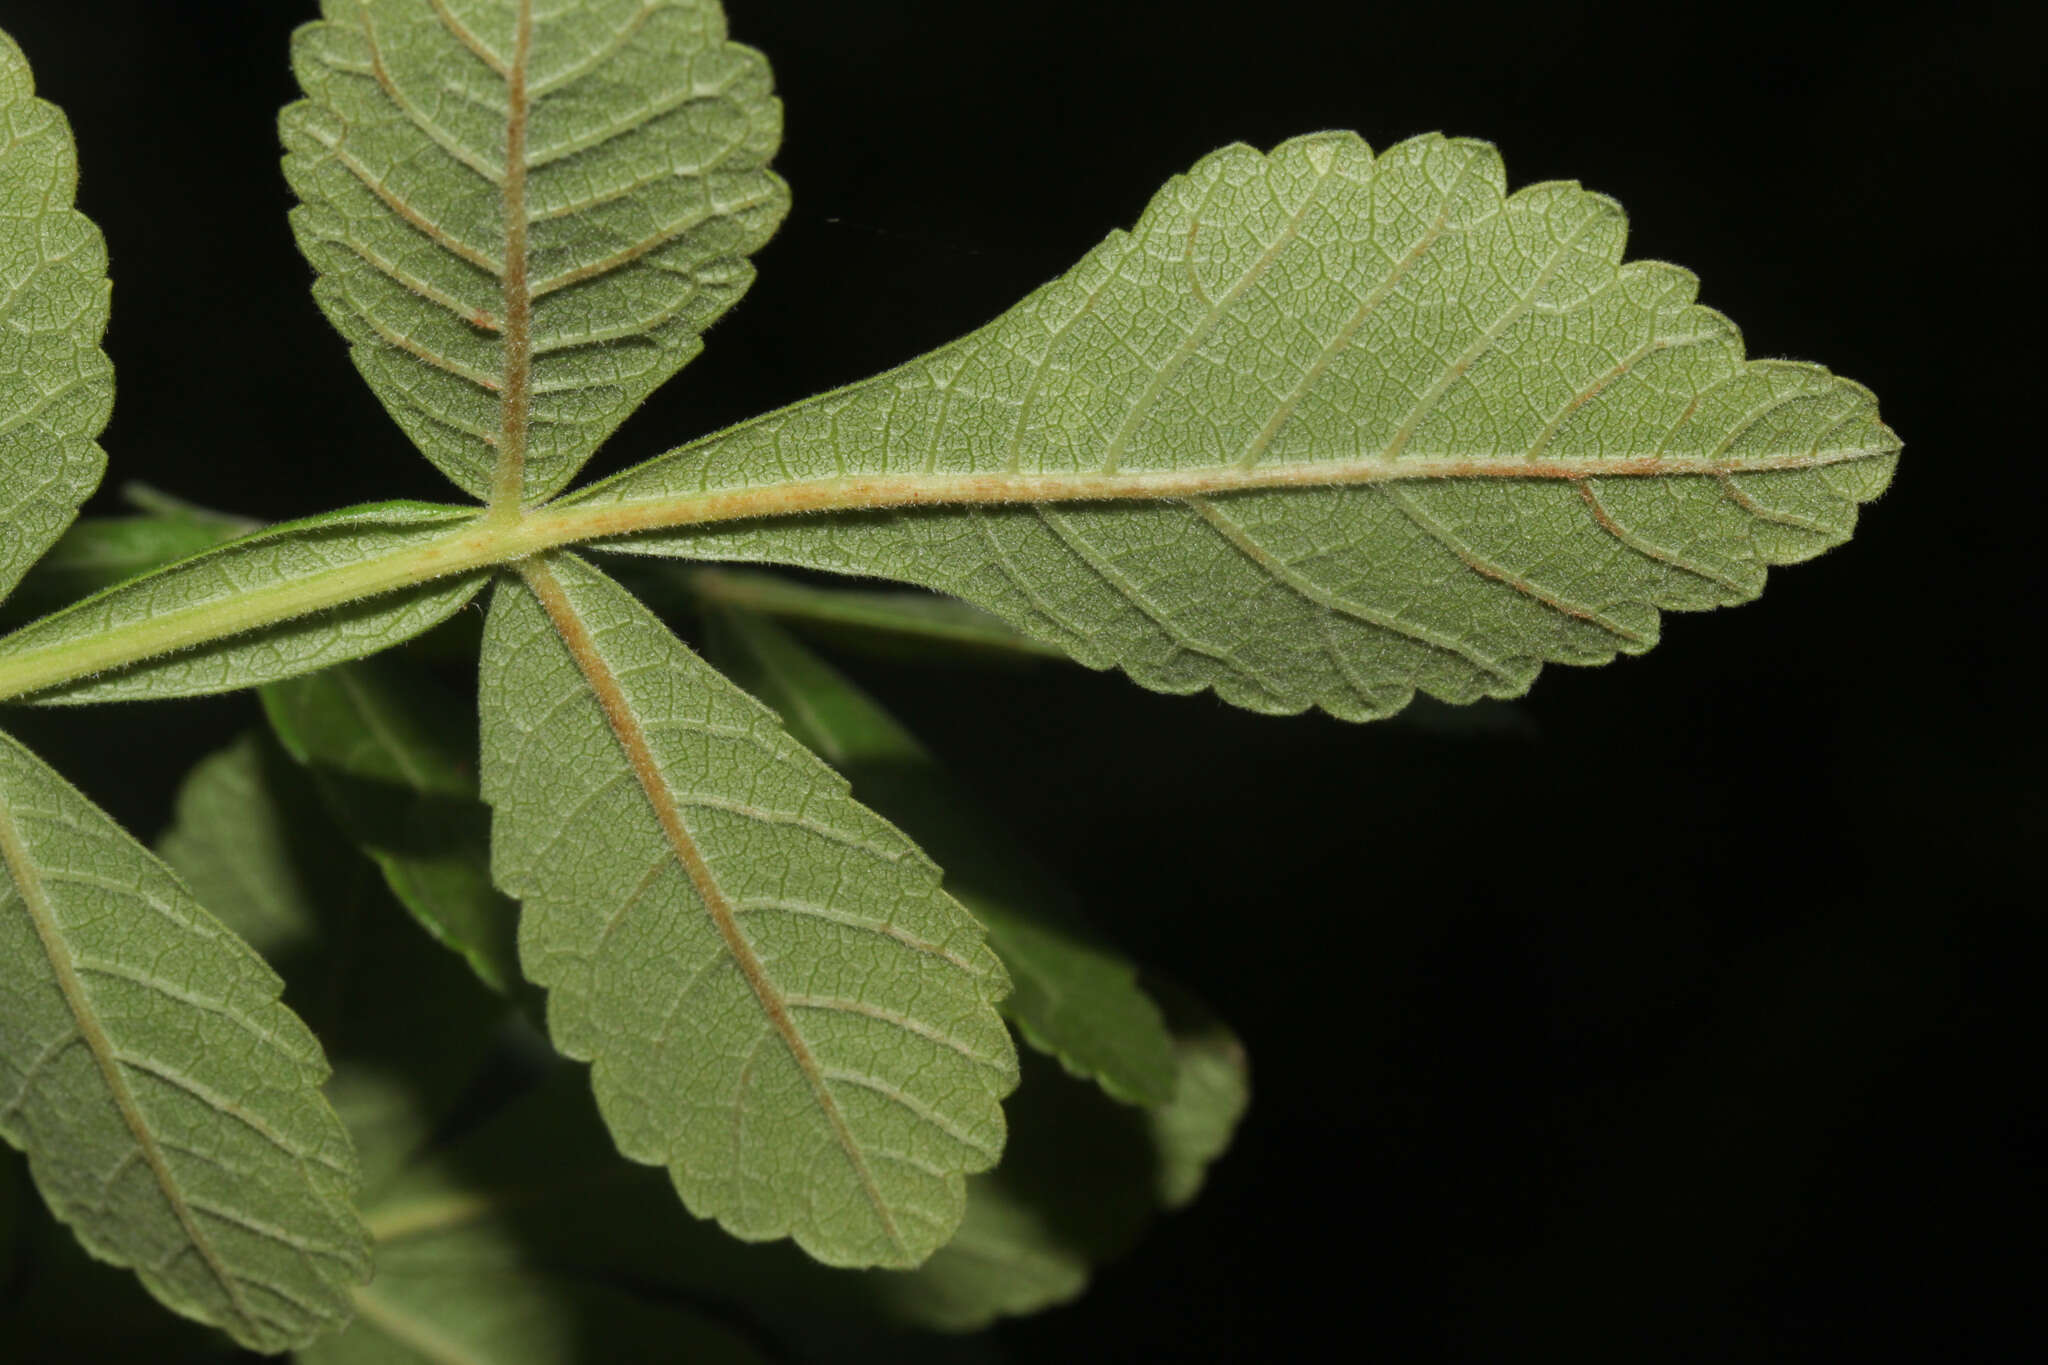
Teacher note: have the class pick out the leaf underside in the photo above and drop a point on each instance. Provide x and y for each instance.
(56, 385)
(1322, 430)
(523, 219)
(781, 1005)
(169, 1104)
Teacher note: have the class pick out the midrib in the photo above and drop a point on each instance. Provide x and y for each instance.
(515, 392)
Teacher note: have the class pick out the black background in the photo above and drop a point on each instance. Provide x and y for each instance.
(1687, 1011)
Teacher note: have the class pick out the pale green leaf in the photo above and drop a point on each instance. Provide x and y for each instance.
(1323, 429)
(56, 385)
(396, 760)
(434, 1306)
(1081, 1179)
(1071, 996)
(95, 553)
(153, 501)
(781, 1005)
(200, 599)
(233, 841)
(524, 217)
(408, 1027)
(526, 1240)
(13, 1214)
(1192, 1131)
(922, 622)
(483, 1254)
(1080, 1184)
(167, 1101)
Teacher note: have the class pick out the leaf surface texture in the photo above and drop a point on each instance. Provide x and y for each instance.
(1324, 429)
(524, 215)
(781, 1005)
(169, 1104)
(56, 385)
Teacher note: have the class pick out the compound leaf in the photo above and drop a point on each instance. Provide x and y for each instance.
(56, 385)
(781, 1005)
(525, 216)
(198, 599)
(396, 761)
(1071, 996)
(1322, 430)
(168, 1103)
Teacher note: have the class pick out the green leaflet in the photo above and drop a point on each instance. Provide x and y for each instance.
(781, 1005)
(56, 385)
(1322, 430)
(524, 217)
(1214, 1091)
(303, 566)
(526, 1241)
(168, 1102)
(52, 1275)
(920, 623)
(432, 1308)
(1079, 1184)
(1071, 996)
(538, 1185)
(155, 502)
(396, 761)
